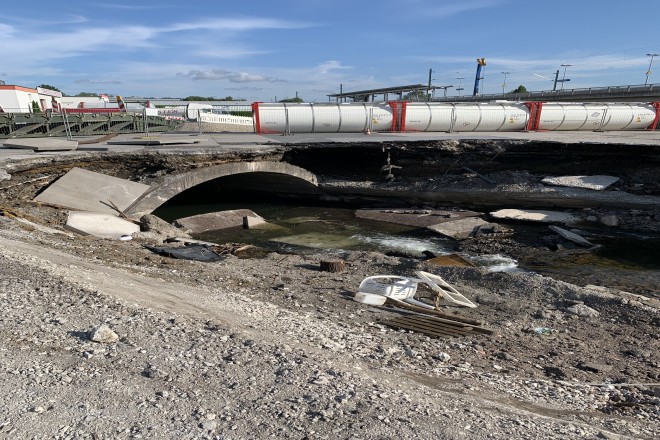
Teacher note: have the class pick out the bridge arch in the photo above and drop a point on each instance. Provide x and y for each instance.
(176, 184)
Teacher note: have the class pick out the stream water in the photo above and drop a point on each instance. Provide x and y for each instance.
(626, 262)
(311, 228)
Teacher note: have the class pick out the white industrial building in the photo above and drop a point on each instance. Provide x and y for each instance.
(19, 99)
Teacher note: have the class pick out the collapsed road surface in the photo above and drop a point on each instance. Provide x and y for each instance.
(274, 347)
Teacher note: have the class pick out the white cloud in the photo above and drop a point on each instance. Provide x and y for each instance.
(226, 75)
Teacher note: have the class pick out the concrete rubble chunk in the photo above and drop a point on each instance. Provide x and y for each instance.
(571, 236)
(250, 222)
(4, 175)
(597, 183)
(464, 228)
(103, 334)
(583, 310)
(100, 225)
(535, 216)
(152, 223)
(413, 217)
(41, 144)
(214, 221)
(89, 191)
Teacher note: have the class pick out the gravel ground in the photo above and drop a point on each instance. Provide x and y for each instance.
(272, 347)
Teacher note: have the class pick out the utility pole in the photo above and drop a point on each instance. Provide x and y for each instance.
(648, 72)
(554, 87)
(428, 90)
(563, 79)
(460, 87)
(504, 83)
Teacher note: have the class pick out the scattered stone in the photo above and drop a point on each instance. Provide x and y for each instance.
(571, 236)
(595, 367)
(103, 334)
(150, 222)
(583, 310)
(610, 220)
(442, 357)
(465, 228)
(4, 175)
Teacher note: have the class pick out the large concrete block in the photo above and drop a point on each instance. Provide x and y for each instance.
(89, 191)
(597, 183)
(463, 228)
(41, 144)
(214, 221)
(535, 216)
(100, 225)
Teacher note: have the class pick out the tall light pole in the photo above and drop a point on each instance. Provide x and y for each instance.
(504, 83)
(460, 87)
(563, 78)
(648, 72)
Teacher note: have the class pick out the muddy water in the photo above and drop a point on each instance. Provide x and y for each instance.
(304, 229)
(626, 262)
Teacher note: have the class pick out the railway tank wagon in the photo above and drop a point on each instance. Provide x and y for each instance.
(448, 117)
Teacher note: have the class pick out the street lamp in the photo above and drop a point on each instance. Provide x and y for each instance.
(460, 87)
(563, 78)
(504, 83)
(648, 72)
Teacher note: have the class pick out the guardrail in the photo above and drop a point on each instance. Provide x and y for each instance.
(615, 92)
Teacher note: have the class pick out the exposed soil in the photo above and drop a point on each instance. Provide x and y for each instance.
(273, 347)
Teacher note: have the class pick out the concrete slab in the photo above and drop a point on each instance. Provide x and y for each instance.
(571, 236)
(535, 216)
(89, 191)
(100, 225)
(41, 144)
(214, 221)
(318, 240)
(597, 183)
(463, 228)
(413, 217)
(158, 140)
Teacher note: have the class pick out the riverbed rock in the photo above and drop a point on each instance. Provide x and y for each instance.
(610, 220)
(583, 310)
(103, 334)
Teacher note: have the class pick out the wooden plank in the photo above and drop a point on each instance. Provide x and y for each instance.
(432, 326)
(413, 328)
(476, 329)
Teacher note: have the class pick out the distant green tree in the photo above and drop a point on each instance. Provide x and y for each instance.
(48, 86)
(416, 95)
(296, 99)
(519, 89)
(35, 107)
(200, 98)
(87, 94)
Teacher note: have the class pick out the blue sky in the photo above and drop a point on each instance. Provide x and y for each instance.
(267, 49)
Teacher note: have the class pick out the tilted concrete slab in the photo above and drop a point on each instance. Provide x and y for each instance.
(571, 236)
(463, 228)
(535, 216)
(158, 140)
(89, 191)
(100, 225)
(41, 144)
(413, 217)
(214, 221)
(597, 183)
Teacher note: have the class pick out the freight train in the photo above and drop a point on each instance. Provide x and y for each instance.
(399, 116)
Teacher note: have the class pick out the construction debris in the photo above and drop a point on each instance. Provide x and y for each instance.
(571, 236)
(467, 228)
(435, 327)
(100, 225)
(597, 183)
(213, 221)
(535, 216)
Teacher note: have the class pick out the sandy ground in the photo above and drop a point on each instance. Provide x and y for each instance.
(272, 347)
